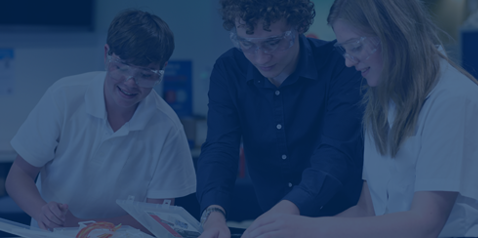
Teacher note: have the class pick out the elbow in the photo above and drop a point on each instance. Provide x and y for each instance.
(428, 228)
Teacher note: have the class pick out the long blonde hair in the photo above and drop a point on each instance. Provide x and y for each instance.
(411, 63)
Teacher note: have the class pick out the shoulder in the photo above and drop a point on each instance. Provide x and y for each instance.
(327, 59)
(69, 92)
(453, 99)
(163, 114)
(324, 50)
(76, 83)
(320, 45)
(453, 84)
(232, 59)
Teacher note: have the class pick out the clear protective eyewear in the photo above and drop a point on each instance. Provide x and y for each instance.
(143, 77)
(358, 49)
(268, 45)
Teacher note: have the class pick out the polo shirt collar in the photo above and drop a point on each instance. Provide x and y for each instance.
(95, 104)
(306, 66)
(143, 114)
(94, 97)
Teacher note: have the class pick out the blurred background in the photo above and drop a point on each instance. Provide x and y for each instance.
(42, 41)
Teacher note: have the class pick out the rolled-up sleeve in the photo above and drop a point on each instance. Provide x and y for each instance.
(218, 162)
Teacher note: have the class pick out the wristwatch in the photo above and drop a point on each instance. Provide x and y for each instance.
(208, 212)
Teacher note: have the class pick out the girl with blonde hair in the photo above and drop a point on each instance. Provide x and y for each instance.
(421, 130)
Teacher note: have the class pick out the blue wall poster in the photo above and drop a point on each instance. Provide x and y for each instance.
(7, 76)
(177, 87)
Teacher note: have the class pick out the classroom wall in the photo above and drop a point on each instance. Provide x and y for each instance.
(43, 58)
(40, 60)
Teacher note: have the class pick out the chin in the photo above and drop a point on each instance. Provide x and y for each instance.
(372, 82)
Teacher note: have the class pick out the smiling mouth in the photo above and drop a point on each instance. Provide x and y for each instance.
(127, 94)
(364, 71)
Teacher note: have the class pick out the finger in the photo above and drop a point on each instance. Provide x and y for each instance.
(64, 210)
(51, 220)
(225, 234)
(272, 234)
(259, 222)
(264, 229)
(57, 212)
(50, 224)
(209, 234)
(41, 225)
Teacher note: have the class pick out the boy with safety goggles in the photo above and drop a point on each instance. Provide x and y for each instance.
(97, 137)
(294, 106)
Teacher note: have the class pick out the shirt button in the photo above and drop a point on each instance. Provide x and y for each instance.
(258, 81)
(290, 185)
(277, 92)
(279, 126)
(284, 156)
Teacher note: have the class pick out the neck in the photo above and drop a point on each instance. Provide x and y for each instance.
(289, 69)
(279, 79)
(117, 117)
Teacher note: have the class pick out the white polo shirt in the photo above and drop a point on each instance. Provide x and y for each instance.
(441, 156)
(88, 166)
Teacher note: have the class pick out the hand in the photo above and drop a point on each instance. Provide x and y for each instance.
(283, 207)
(52, 215)
(215, 227)
(281, 225)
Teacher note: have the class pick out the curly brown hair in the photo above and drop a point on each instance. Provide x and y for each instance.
(297, 13)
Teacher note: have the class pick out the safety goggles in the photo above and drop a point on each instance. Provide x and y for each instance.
(268, 45)
(358, 49)
(143, 77)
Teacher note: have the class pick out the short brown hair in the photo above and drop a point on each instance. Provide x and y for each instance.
(140, 38)
(297, 13)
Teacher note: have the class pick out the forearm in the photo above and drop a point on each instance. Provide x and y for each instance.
(216, 176)
(354, 211)
(315, 191)
(23, 191)
(395, 225)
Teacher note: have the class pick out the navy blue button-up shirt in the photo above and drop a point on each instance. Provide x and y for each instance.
(302, 140)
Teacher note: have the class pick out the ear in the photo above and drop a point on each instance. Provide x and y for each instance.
(107, 48)
(165, 64)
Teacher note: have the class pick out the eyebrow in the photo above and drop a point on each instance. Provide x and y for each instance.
(134, 66)
(349, 40)
(265, 38)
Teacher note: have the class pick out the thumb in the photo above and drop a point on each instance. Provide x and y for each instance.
(63, 208)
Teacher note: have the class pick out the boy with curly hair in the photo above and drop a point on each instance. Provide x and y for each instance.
(295, 107)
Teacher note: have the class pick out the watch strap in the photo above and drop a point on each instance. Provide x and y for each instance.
(208, 212)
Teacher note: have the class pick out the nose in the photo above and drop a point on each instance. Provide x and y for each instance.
(131, 82)
(349, 63)
(261, 57)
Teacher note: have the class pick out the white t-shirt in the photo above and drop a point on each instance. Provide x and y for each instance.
(88, 166)
(441, 156)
